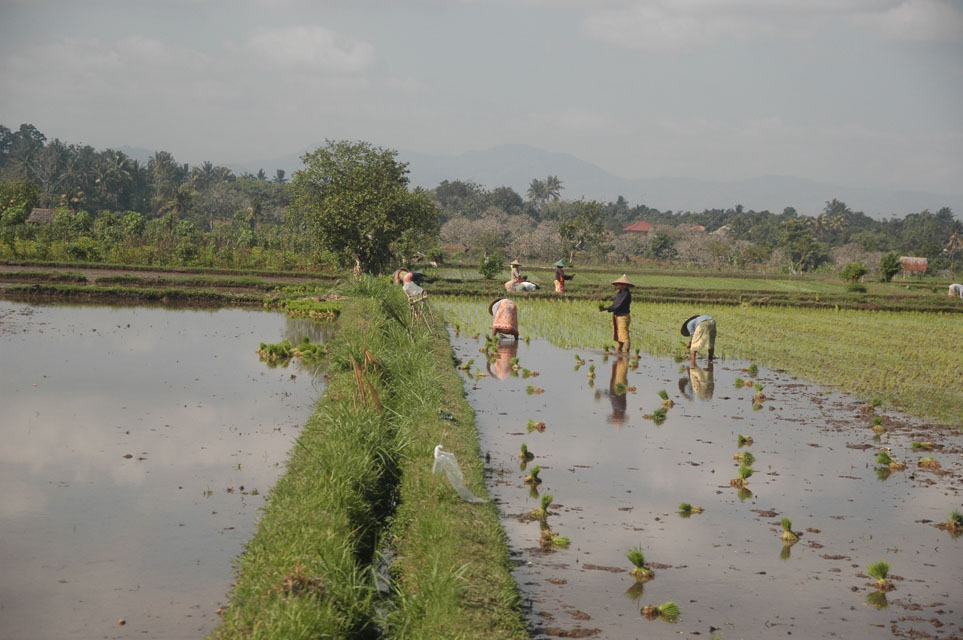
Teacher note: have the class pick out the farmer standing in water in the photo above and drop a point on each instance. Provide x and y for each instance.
(621, 315)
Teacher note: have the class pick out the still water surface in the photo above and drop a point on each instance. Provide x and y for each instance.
(617, 479)
(138, 447)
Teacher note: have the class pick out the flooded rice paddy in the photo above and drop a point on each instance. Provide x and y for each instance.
(617, 480)
(138, 447)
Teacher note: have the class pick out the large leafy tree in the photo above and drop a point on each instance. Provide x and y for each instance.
(584, 229)
(355, 197)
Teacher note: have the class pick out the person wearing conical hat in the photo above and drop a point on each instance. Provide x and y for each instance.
(504, 317)
(701, 331)
(621, 315)
(561, 276)
(516, 274)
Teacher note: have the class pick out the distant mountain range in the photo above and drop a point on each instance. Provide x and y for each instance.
(515, 165)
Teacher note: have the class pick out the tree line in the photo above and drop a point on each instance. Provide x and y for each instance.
(351, 206)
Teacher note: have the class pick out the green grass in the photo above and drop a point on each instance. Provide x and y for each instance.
(871, 354)
(359, 480)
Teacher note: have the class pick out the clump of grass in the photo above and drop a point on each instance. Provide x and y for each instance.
(526, 373)
(533, 478)
(883, 458)
(753, 370)
(668, 611)
(579, 360)
(620, 389)
(465, 366)
(658, 416)
(686, 509)
(550, 539)
(532, 389)
(787, 534)
(542, 512)
(525, 453)
(640, 572)
(876, 402)
(740, 382)
(880, 571)
(877, 420)
(954, 524)
(926, 446)
(928, 463)
(745, 457)
(744, 473)
(666, 400)
(760, 396)
(535, 426)
(591, 372)
(514, 363)
(745, 441)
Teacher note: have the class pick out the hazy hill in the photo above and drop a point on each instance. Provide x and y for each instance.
(515, 166)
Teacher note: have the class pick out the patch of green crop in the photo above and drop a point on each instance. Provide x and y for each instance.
(872, 354)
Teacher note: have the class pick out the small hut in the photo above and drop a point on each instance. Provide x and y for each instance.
(641, 227)
(42, 216)
(913, 265)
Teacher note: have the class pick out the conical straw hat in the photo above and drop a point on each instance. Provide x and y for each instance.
(623, 280)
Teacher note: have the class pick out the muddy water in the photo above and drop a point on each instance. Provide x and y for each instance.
(138, 446)
(618, 478)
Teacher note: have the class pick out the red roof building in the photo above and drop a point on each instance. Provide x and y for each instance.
(641, 226)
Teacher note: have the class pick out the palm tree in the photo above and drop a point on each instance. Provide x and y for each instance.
(279, 176)
(553, 188)
(537, 192)
(178, 205)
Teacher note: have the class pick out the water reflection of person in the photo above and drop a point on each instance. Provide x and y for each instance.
(698, 382)
(617, 384)
(503, 363)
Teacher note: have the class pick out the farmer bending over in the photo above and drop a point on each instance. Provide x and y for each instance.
(956, 289)
(504, 317)
(702, 330)
(621, 317)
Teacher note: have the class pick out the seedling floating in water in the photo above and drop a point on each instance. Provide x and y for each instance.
(657, 416)
(745, 457)
(740, 382)
(526, 454)
(877, 420)
(954, 525)
(745, 472)
(535, 426)
(533, 478)
(880, 571)
(787, 532)
(530, 389)
(926, 446)
(551, 539)
(666, 401)
(641, 573)
(753, 370)
(668, 611)
(745, 441)
(542, 512)
(928, 463)
(883, 458)
(687, 509)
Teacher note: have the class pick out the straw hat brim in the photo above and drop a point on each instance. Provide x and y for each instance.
(685, 328)
(623, 280)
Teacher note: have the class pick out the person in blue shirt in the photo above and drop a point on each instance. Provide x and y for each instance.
(701, 331)
(621, 315)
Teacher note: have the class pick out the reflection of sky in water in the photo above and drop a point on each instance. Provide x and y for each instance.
(619, 480)
(88, 536)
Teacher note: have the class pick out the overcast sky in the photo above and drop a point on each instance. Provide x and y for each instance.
(856, 92)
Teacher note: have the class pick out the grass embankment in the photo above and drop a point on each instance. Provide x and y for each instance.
(81, 293)
(909, 359)
(310, 570)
